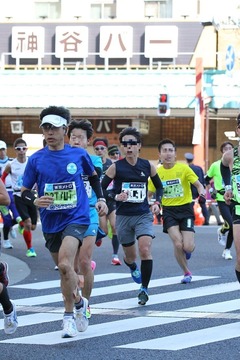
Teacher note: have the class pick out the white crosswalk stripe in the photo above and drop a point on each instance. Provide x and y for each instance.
(46, 313)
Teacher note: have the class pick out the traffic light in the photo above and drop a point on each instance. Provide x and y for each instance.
(163, 105)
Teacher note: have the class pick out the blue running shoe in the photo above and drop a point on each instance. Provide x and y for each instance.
(186, 279)
(100, 235)
(136, 275)
(142, 296)
(188, 254)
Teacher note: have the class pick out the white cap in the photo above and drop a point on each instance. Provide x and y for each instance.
(3, 145)
(54, 120)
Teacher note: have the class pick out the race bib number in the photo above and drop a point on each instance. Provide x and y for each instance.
(87, 186)
(172, 189)
(64, 194)
(136, 191)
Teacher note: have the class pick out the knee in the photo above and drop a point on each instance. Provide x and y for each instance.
(63, 267)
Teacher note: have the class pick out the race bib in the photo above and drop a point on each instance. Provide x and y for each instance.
(136, 191)
(172, 189)
(87, 186)
(64, 194)
(237, 180)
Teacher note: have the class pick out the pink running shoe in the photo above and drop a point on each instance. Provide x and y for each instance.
(93, 265)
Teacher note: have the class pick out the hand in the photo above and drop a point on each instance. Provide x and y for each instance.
(228, 196)
(43, 201)
(123, 196)
(155, 209)
(102, 208)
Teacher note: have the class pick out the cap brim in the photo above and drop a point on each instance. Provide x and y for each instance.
(54, 120)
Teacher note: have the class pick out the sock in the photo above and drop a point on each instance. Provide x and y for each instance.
(146, 271)
(19, 219)
(238, 275)
(68, 314)
(115, 244)
(27, 235)
(6, 230)
(132, 266)
(79, 304)
(5, 301)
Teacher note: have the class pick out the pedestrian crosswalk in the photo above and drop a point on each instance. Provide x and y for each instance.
(124, 315)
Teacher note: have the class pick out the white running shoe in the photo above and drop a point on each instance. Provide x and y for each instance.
(7, 244)
(222, 238)
(81, 316)
(10, 321)
(13, 233)
(69, 328)
(227, 254)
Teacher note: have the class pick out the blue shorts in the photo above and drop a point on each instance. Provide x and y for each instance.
(91, 230)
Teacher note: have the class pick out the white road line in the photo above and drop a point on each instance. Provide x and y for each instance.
(189, 293)
(56, 283)
(189, 339)
(114, 289)
(109, 328)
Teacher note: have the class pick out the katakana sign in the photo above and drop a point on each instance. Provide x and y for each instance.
(161, 42)
(71, 42)
(116, 41)
(28, 42)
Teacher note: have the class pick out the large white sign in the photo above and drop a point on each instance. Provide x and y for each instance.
(161, 42)
(71, 42)
(28, 42)
(116, 41)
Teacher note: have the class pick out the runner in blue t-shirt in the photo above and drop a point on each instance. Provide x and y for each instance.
(79, 134)
(63, 205)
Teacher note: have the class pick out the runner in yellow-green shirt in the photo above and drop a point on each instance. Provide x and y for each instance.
(178, 215)
(224, 233)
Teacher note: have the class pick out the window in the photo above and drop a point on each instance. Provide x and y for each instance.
(48, 9)
(103, 10)
(158, 9)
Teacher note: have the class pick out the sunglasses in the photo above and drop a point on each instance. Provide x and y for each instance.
(129, 142)
(114, 153)
(99, 148)
(21, 148)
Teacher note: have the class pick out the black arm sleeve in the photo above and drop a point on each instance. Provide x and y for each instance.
(105, 182)
(96, 185)
(226, 174)
(207, 180)
(28, 197)
(158, 185)
(98, 171)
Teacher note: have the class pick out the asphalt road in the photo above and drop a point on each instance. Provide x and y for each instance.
(200, 320)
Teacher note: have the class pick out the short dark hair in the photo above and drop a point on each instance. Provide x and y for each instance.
(103, 139)
(83, 124)
(166, 141)
(130, 131)
(238, 119)
(224, 144)
(56, 110)
(19, 141)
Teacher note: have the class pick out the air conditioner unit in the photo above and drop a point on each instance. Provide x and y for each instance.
(17, 127)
